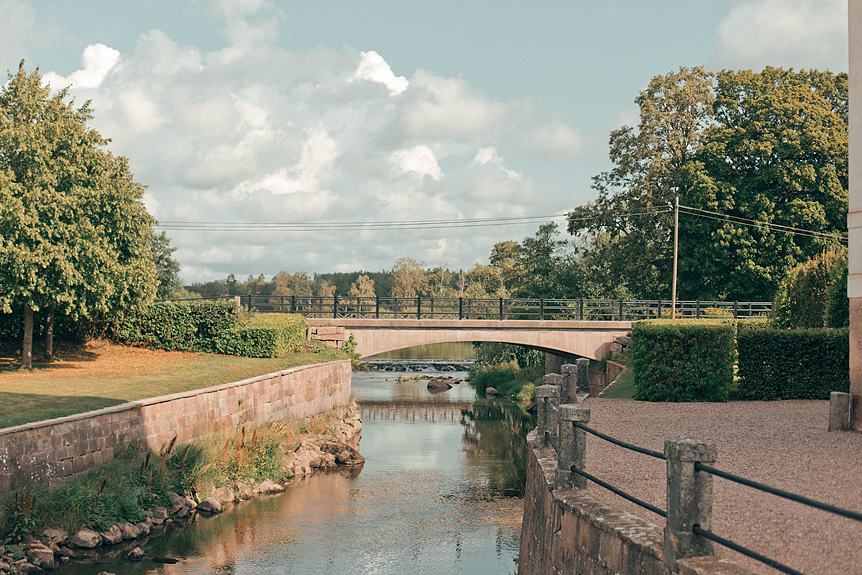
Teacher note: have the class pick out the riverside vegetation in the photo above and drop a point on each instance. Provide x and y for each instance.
(126, 497)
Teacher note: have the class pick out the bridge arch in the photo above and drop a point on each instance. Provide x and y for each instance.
(590, 339)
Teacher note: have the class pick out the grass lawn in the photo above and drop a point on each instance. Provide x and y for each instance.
(99, 374)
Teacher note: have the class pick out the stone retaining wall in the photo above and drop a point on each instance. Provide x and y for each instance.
(572, 531)
(65, 446)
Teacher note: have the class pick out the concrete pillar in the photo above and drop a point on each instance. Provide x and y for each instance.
(570, 382)
(854, 216)
(573, 447)
(583, 375)
(689, 499)
(546, 414)
(839, 411)
(556, 379)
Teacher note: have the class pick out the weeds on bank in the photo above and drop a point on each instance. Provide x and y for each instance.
(510, 380)
(136, 480)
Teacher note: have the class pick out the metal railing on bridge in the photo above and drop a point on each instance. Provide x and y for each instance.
(499, 308)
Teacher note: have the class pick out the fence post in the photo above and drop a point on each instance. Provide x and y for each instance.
(581, 309)
(418, 307)
(542, 309)
(460, 308)
(621, 310)
(570, 381)
(293, 304)
(583, 384)
(573, 447)
(736, 310)
(659, 309)
(689, 498)
(697, 310)
(335, 307)
(555, 379)
(546, 419)
(501, 309)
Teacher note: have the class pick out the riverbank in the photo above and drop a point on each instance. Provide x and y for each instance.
(323, 443)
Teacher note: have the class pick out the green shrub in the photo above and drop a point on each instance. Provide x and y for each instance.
(190, 326)
(510, 380)
(802, 295)
(792, 364)
(837, 303)
(683, 360)
(264, 335)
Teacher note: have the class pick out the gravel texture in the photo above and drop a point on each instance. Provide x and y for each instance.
(783, 444)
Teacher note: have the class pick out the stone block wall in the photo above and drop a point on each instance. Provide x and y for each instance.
(61, 447)
(572, 531)
(328, 334)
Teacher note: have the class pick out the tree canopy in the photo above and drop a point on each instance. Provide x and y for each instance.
(74, 233)
(737, 147)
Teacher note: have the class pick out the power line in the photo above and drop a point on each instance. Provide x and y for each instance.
(688, 210)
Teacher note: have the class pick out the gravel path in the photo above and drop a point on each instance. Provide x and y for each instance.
(783, 444)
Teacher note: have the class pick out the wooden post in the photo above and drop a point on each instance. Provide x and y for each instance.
(335, 307)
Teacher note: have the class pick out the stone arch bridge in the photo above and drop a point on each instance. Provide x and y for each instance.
(562, 338)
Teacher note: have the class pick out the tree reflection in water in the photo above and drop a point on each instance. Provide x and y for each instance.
(495, 436)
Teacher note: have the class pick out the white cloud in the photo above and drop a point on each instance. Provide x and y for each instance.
(419, 159)
(553, 141)
(226, 139)
(374, 67)
(490, 157)
(787, 33)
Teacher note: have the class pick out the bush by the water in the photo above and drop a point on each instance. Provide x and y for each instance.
(792, 364)
(510, 380)
(263, 335)
(683, 360)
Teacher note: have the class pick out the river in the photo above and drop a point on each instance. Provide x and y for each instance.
(435, 496)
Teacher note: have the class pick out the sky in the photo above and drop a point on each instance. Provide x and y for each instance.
(334, 113)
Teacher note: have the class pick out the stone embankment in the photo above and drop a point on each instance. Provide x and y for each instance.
(315, 452)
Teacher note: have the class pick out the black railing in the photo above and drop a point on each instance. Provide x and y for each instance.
(703, 468)
(498, 308)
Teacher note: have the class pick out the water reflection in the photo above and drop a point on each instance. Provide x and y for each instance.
(429, 500)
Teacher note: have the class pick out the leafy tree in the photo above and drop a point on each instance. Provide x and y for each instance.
(837, 312)
(631, 211)
(506, 259)
(550, 268)
(776, 153)
(298, 284)
(803, 295)
(362, 287)
(408, 278)
(323, 288)
(74, 234)
(167, 268)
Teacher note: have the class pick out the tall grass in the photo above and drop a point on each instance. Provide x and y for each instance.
(513, 382)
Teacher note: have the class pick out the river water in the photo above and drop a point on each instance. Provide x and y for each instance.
(435, 496)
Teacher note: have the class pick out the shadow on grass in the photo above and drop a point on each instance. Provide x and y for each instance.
(64, 355)
(21, 408)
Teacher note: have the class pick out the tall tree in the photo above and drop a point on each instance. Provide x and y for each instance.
(73, 230)
(631, 209)
(408, 278)
(776, 153)
(362, 287)
(167, 268)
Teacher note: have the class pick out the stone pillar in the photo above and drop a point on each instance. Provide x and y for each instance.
(556, 379)
(689, 499)
(570, 382)
(546, 416)
(573, 447)
(839, 411)
(583, 375)
(854, 215)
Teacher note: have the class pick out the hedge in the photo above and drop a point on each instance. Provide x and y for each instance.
(683, 360)
(265, 335)
(792, 364)
(190, 326)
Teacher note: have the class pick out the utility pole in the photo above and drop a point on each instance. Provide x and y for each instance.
(675, 254)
